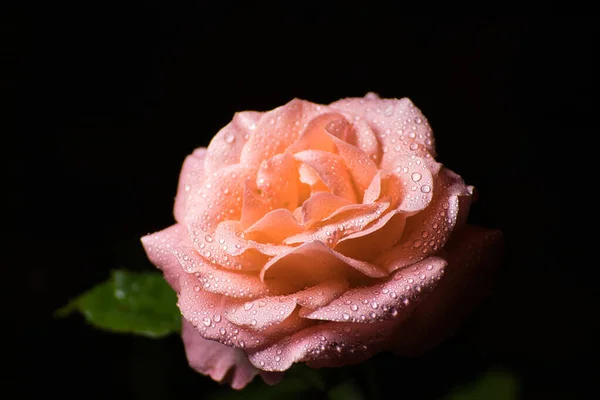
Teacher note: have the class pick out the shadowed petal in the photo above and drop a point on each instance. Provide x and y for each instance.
(217, 360)
(473, 254)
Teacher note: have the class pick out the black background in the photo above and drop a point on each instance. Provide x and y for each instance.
(109, 101)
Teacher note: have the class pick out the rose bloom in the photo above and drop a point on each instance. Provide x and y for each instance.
(320, 234)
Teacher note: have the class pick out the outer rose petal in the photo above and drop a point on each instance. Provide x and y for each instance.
(159, 249)
(192, 174)
(326, 345)
(391, 299)
(473, 253)
(217, 360)
(427, 231)
(398, 124)
(218, 198)
(225, 148)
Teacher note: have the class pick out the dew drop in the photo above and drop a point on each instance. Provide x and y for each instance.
(229, 138)
(277, 358)
(414, 146)
(345, 316)
(242, 344)
(416, 176)
(217, 317)
(206, 321)
(248, 306)
(417, 243)
(208, 238)
(354, 307)
(425, 189)
(374, 304)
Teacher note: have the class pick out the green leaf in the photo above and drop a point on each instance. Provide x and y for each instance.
(141, 303)
(493, 385)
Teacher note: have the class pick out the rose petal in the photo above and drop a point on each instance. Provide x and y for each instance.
(361, 166)
(226, 147)
(229, 237)
(217, 360)
(345, 221)
(192, 174)
(380, 236)
(312, 263)
(311, 183)
(417, 178)
(261, 313)
(321, 294)
(218, 198)
(373, 191)
(273, 227)
(205, 311)
(391, 299)
(277, 130)
(332, 171)
(427, 231)
(398, 124)
(171, 251)
(159, 246)
(316, 137)
(271, 378)
(266, 312)
(278, 180)
(385, 232)
(473, 254)
(325, 345)
(216, 280)
(319, 206)
(254, 205)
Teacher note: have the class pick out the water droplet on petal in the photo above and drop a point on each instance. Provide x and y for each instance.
(416, 176)
(206, 321)
(229, 138)
(425, 189)
(248, 306)
(217, 317)
(208, 238)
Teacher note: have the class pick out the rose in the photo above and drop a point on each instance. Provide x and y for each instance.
(314, 234)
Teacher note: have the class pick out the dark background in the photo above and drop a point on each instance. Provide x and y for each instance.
(108, 101)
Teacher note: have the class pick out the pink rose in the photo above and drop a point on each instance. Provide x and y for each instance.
(319, 234)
